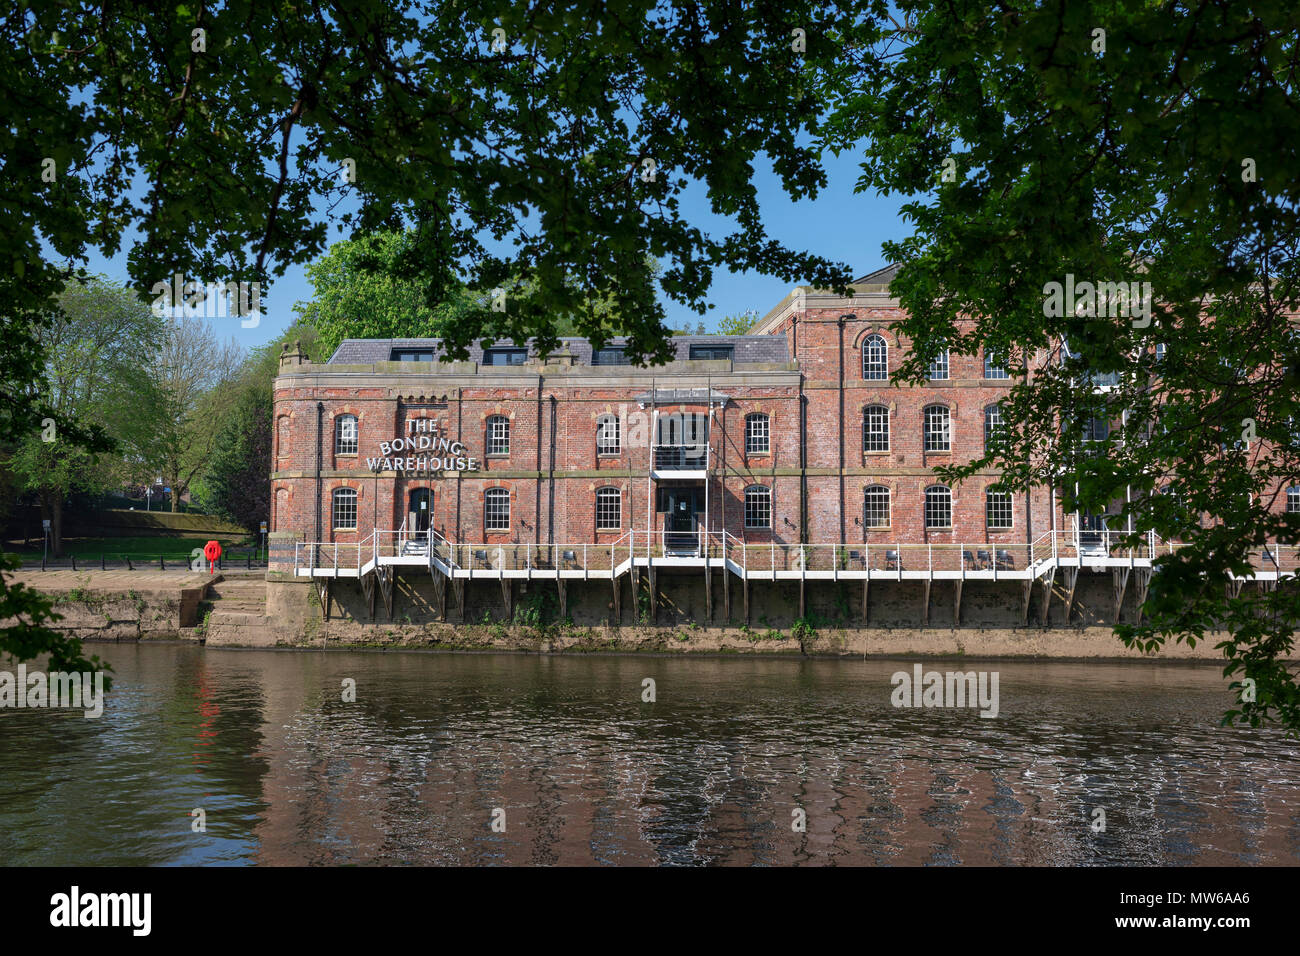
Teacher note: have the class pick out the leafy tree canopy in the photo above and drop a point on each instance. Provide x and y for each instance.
(545, 143)
(1113, 142)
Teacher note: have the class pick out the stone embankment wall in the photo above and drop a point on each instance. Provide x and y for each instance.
(124, 605)
(992, 619)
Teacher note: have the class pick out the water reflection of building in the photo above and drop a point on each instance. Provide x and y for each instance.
(587, 774)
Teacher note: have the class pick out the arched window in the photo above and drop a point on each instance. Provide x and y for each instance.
(609, 509)
(876, 506)
(997, 510)
(345, 509)
(875, 359)
(875, 428)
(496, 509)
(938, 437)
(609, 439)
(938, 507)
(758, 507)
(345, 435)
(758, 434)
(498, 435)
(939, 366)
(992, 423)
(282, 437)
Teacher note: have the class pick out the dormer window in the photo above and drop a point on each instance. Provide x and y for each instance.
(505, 356)
(411, 355)
(711, 353)
(610, 356)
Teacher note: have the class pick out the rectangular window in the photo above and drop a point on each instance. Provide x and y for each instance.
(1097, 429)
(1293, 500)
(875, 429)
(607, 436)
(505, 356)
(711, 352)
(998, 510)
(498, 435)
(939, 367)
(411, 355)
(345, 435)
(757, 436)
(992, 366)
(610, 356)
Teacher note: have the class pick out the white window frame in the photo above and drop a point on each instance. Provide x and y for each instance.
(937, 439)
(938, 502)
(609, 508)
(992, 422)
(875, 415)
(609, 437)
(345, 444)
(498, 437)
(999, 503)
(493, 501)
(940, 366)
(758, 507)
(873, 496)
(991, 370)
(875, 359)
(339, 500)
(758, 434)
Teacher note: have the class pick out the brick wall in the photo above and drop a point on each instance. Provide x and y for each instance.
(554, 470)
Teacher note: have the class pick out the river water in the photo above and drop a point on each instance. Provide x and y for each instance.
(575, 768)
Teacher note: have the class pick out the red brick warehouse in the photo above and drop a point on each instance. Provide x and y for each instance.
(797, 433)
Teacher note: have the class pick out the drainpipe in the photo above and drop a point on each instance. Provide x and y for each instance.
(803, 464)
(649, 484)
(320, 424)
(460, 431)
(843, 320)
(537, 485)
(550, 504)
(722, 477)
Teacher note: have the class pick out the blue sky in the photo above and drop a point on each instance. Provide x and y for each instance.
(839, 224)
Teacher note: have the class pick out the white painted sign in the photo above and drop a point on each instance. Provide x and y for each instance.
(423, 450)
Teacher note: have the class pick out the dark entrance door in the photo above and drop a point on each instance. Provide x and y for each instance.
(683, 508)
(1090, 538)
(420, 506)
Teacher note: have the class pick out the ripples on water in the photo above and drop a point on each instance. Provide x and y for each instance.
(586, 773)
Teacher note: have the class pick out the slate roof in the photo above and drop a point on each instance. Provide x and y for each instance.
(879, 277)
(748, 348)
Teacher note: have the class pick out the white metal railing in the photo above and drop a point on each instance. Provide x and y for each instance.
(680, 457)
(1071, 548)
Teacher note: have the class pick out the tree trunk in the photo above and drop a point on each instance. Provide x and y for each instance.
(176, 497)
